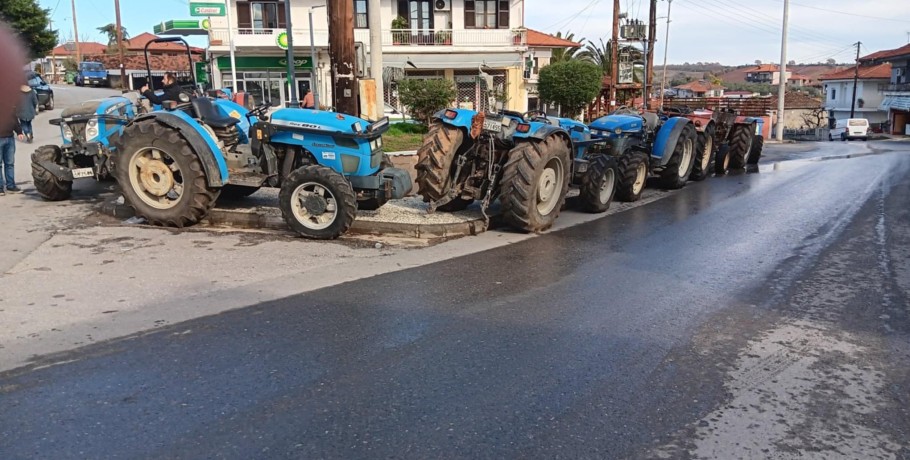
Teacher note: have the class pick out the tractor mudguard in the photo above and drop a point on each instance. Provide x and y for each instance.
(60, 172)
(216, 172)
(463, 118)
(540, 131)
(666, 139)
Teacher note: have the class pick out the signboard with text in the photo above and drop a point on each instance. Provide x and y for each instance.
(625, 73)
(206, 8)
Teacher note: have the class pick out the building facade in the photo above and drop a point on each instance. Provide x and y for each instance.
(869, 93)
(452, 39)
(896, 101)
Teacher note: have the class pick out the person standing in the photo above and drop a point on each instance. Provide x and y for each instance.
(8, 155)
(309, 102)
(26, 112)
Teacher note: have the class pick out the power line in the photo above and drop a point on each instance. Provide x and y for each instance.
(565, 22)
(773, 21)
(849, 14)
(803, 37)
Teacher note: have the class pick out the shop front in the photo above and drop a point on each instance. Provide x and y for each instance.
(266, 77)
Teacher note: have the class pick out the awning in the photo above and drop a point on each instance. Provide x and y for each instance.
(896, 103)
(183, 27)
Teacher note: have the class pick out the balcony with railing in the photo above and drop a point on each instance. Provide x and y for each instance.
(896, 88)
(392, 40)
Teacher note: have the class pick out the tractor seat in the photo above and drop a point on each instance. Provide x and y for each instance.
(651, 120)
(209, 115)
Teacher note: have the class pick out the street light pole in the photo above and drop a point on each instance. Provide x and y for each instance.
(120, 46)
(782, 84)
(76, 34)
(292, 84)
(313, 72)
(375, 24)
(663, 83)
(231, 46)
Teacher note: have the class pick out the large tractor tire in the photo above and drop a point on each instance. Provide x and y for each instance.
(676, 172)
(722, 160)
(434, 166)
(317, 202)
(758, 144)
(598, 184)
(534, 184)
(48, 185)
(704, 155)
(161, 176)
(633, 174)
(741, 145)
(236, 192)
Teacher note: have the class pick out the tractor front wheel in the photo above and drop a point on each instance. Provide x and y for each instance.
(317, 202)
(704, 155)
(534, 184)
(598, 184)
(677, 170)
(633, 174)
(758, 144)
(722, 160)
(48, 185)
(161, 177)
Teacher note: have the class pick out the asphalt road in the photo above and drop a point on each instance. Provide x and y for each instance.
(753, 316)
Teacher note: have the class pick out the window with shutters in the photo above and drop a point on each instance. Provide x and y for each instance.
(486, 14)
(361, 19)
(256, 16)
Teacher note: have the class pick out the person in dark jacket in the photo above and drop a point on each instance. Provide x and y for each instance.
(8, 155)
(171, 90)
(26, 111)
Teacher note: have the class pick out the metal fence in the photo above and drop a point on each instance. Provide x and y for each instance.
(810, 134)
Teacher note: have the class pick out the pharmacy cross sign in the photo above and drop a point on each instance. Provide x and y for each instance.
(206, 8)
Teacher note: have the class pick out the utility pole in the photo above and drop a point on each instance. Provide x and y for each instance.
(313, 56)
(234, 84)
(649, 67)
(53, 53)
(855, 80)
(614, 55)
(120, 46)
(292, 82)
(782, 86)
(375, 24)
(76, 34)
(341, 51)
(663, 83)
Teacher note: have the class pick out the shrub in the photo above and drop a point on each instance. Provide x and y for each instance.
(423, 97)
(570, 84)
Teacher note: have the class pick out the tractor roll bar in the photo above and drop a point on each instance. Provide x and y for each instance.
(148, 64)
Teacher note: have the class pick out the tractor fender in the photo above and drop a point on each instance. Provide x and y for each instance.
(202, 142)
(541, 131)
(755, 121)
(463, 118)
(60, 172)
(666, 139)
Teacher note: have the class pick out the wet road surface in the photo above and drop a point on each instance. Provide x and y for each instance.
(759, 315)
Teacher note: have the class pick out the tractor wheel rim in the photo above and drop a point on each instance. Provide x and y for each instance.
(549, 186)
(314, 205)
(706, 154)
(686, 159)
(156, 178)
(726, 161)
(641, 174)
(606, 189)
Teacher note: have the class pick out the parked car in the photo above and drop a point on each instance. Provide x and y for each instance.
(849, 129)
(44, 91)
(92, 73)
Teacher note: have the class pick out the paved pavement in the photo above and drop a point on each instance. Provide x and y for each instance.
(760, 315)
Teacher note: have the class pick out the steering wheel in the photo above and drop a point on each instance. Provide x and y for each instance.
(259, 111)
(532, 114)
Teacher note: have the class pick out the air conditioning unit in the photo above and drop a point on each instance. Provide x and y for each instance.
(443, 5)
(900, 72)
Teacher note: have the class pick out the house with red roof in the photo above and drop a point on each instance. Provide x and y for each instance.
(871, 80)
(896, 101)
(765, 73)
(700, 88)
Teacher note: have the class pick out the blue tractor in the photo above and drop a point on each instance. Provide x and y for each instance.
(173, 162)
(645, 144)
(471, 155)
(89, 131)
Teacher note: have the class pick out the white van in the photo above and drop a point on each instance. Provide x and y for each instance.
(849, 129)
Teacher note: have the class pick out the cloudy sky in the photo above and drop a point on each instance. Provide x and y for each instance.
(738, 31)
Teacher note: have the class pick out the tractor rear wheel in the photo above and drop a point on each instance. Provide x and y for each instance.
(677, 170)
(161, 177)
(48, 185)
(758, 143)
(741, 145)
(704, 157)
(534, 184)
(633, 174)
(434, 163)
(598, 184)
(317, 202)
(236, 192)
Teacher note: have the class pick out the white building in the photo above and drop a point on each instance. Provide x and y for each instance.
(897, 93)
(869, 93)
(449, 39)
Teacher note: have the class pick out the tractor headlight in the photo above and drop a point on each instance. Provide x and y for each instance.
(91, 130)
(617, 131)
(67, 133)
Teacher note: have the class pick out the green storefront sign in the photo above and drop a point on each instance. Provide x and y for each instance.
(206, 9)
(263, 62)
(183, 27)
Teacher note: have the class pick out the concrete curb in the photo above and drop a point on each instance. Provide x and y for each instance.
(262, 218)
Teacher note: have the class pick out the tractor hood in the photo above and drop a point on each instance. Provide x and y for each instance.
(106, 106)
(330, 122)
(617, 124)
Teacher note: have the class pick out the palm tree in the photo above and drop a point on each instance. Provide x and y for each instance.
(111, 31)
(601, 55)
(565, 54)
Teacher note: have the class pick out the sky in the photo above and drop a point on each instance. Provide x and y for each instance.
(727, 31)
